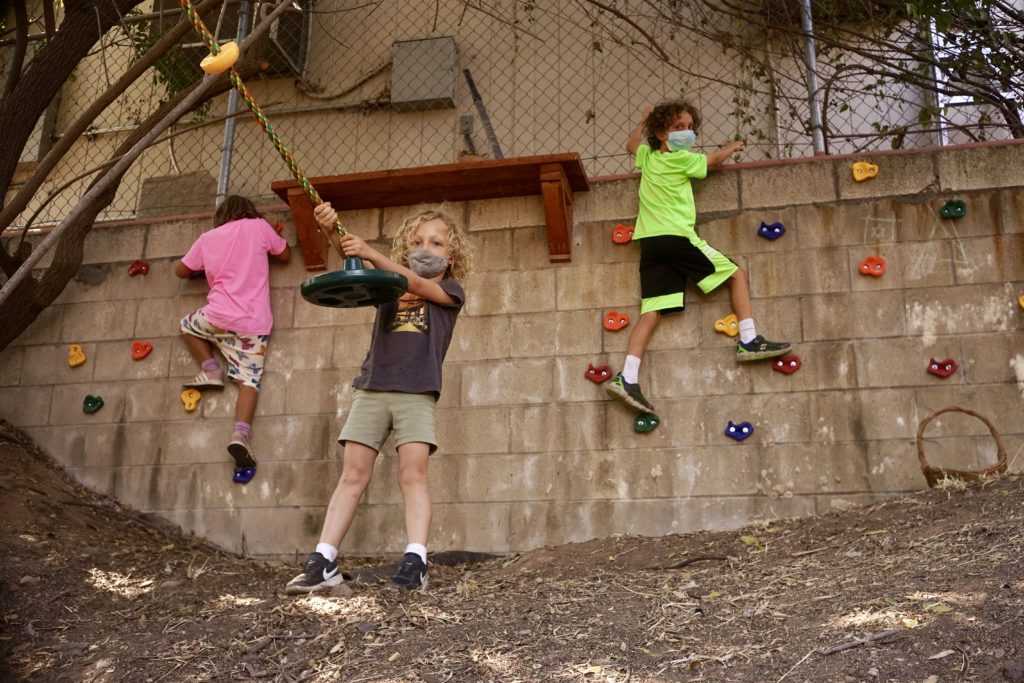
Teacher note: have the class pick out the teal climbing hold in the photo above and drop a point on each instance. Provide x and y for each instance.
(91, 404)
(954, 208)
(645, 422)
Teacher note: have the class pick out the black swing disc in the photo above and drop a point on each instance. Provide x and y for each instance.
(354, 288)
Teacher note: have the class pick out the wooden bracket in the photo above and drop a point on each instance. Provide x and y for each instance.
(557, 211)
(313, 243)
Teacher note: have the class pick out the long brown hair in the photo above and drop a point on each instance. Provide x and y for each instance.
(234, 207)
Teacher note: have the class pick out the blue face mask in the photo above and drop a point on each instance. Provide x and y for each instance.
(681, 139)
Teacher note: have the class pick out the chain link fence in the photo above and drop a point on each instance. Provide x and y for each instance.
(363, 85)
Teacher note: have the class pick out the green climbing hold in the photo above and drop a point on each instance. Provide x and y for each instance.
(645, 422)
(954, 208)
(91, 404)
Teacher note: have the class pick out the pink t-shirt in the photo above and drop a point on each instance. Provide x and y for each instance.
(234, 256)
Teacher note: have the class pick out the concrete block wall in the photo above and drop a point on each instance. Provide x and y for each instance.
(532, 453)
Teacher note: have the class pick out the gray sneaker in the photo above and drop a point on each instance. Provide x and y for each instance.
(760, 348)
(629, 393)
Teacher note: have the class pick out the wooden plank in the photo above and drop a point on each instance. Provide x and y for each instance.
(313, 243)
(557, 211)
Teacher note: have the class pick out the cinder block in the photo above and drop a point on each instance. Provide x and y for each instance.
(682, 425)
(809, 271)
(1011, 209)
(114, 445)
(25, 406)
(507, 382)
(162, 317)
(921, 264)
(113, 360)
(473, 430)
(893, 466)
(901, 362)
(960, 310)
(738, 234)
(675, 331)
(11, 362)
(592, 243)
(462, 478)
(392, 217)
(182, 193)
(613, 284)
(612, 200)
(98, 321)
(282, 302)
(510, 212)
(558, 427)
(897, 175)
(308, 349)
(492, 250)
(778, 318)
(571, 385)
(530, 250)
(494, 293)
(223, 528)
(698, 373)
(853, 315)
(366, 223)
(992, 358)
(998, 258)
(221, 404)
(863, 415)
(831, 225)
(971, 453)
(981, 167)
(351, 345)
(482, 338)
(564, 333)
(451, 386)
(318, 391)
(49, 365)
(293, 273)
(893, 254)
(170, 240)
(788, 184)
(110, 245)
(986, 214)
(123, 402)
(779, 418)
(45, 329)
(1000, 403)
(718, 192)
(813, 468)
(823, 365)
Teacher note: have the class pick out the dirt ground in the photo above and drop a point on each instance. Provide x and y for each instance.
(929, 588)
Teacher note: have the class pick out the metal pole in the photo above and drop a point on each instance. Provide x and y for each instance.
(812, 77)
(228, 148)
(934, 42)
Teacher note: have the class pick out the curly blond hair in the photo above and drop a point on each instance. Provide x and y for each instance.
(460, 253)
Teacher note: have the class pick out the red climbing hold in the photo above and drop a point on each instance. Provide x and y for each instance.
(622, 234)
(141, 349)
(615, 321)
(139, 267)
(942, 368)
(787, 365)
(601, 373)
(873, 266)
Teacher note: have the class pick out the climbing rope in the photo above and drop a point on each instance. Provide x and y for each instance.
(261, 118)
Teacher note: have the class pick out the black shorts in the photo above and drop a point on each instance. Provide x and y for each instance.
(667, 261)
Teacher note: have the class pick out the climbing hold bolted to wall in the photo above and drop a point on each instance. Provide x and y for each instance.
(91, 404)
(787, 365)
(76, 356)
(954, 208)
(942, 368)
(622, 234)
(771, 231)
(739, 431)
(728, 325)
(645, 422)
(873, 266)
(141, 349)
(615, 321)
(138, 267)
(243, 475)
(222, 61)
(190, 399)
(864, 170)
(1020, 300)
(598, 374)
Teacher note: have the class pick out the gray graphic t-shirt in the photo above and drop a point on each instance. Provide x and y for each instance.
(410, 340)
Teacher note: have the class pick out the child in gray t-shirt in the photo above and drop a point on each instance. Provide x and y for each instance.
(397, 389)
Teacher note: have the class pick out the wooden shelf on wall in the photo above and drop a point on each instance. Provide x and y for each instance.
(555, 177)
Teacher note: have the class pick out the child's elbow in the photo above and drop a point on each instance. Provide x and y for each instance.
(182, 271)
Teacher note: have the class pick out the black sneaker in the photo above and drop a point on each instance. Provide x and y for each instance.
(412, 573)
(319, 573)
(630, 393)
(760, 348)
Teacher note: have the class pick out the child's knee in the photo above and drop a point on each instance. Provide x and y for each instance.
(412, 474)
(355, 477)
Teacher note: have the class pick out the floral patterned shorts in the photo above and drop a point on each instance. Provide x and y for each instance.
(244, 353)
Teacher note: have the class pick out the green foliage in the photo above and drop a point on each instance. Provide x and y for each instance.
(176, 70)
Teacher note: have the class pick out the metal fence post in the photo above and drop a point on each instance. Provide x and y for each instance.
(810, 58)
(228, 148)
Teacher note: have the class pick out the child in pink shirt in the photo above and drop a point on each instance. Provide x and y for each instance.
(236, 318)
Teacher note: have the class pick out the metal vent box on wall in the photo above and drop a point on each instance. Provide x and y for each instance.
(423, 73)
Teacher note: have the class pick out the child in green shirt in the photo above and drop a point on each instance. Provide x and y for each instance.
(671, 251)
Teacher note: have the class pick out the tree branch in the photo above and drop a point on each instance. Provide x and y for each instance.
(20, 47)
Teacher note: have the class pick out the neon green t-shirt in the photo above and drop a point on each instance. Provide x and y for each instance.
(666, 194)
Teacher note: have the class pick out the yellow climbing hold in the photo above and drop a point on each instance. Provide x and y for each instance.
(863, 170)
(76, 356)
(190, 399)
(1020, 300)
(222, 61)
(728, 325)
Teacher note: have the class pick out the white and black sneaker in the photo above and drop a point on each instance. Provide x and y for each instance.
(317, 574)
(412, 573)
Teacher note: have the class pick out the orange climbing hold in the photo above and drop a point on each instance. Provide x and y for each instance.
(864, 170)
(141, 349)
(728, 325)
(615, 321)
(873, 266)
(76, 356)
(622, 234)
(190, 399)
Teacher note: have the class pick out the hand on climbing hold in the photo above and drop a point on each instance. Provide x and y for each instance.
(622, 234)
(645, 422)
(864, 170)
(615, 321)
(76, 356)
(954, 208)
(138, 267)
(190, 399)
(141, 349)
(787, 365)
(225, 58)
(739, 432)
(728, 325)
(598, 374)
(771, 231)
(91, 404)
(942, 368)
(873, 266)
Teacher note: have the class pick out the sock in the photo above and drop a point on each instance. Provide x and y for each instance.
(211, 367)
(419, 549)
(747, 330)
(328, 551)
(631, 370)
(244, 428)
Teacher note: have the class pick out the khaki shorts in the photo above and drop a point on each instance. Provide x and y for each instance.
(374, 414)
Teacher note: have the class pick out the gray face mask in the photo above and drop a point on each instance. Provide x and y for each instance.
(425, 264)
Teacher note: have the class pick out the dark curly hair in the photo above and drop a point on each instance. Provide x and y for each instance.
(233, 208)
(662, 116)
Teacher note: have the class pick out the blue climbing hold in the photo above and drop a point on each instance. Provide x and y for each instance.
(739, 432)
(771, 231)
(243, 475)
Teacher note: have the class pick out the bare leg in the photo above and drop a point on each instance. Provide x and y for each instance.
(357, 466)
(641, 335)
(412, 478)
(739, 294)
(200, 349)
(245, 407)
